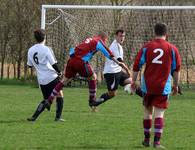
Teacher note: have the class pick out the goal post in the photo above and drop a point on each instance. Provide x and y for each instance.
(68, 25)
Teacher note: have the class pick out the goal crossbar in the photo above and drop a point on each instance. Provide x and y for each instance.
(117, 7)
(44, 7)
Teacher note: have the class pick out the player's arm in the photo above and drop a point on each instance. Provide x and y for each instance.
(120, 59)
(29, 62)
(55, 66)
(122, 65)
(175, 69)
(105, 50)
(138, 63)
(53, 61)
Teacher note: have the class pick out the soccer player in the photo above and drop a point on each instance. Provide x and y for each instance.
(162, 61)
(79, 63)
(43, 60)
(113, 73)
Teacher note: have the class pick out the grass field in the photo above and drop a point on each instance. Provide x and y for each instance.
(117, 125)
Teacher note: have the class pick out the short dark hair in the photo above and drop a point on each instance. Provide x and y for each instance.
(160, 29)
(119, 31)
(102, 34)
(39, 35)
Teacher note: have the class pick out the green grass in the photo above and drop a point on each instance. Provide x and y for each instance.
(117, 125)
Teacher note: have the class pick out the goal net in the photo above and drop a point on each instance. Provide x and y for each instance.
(68, 25)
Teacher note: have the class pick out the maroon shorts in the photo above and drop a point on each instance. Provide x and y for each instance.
(76, 65)
(159, 101)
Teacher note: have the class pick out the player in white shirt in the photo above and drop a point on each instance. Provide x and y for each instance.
(43, 60)
(113, 73)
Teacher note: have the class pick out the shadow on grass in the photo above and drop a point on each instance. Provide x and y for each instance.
(76, 111)
(139, 147)
(12, 121)
(93, 147)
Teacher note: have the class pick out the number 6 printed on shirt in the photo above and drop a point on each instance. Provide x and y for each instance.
(35, 58)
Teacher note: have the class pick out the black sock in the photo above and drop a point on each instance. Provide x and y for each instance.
(156, 139)
(39, 110)
(59, 106)
(105, 97)
(179, 90)
(139, 92)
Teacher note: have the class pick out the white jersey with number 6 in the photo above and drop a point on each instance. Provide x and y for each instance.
(42, 58)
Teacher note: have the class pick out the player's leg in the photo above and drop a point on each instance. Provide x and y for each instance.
(158, 125)
(59, 100)
(111, 94)
(106, 96)
(59, 106)
(92, 84)
(147, 125)
(112, 82)
(39, 110)
(58, 88)
(147, 120)
(126, 81)
(46, 90)
(160, 105)
(180, 90)
(85, 70)
(69, 73)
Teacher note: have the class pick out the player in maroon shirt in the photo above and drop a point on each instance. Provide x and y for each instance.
(162, 62)
(79, 63)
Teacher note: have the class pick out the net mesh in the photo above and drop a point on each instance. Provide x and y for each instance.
(68, 27)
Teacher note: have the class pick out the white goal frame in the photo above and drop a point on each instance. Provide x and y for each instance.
(106, 7)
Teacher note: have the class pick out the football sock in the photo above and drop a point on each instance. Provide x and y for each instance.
(105, 97)
(59, 106)
(92, 90)
(147, 124)
(179, 90)
(39, 110)
(55, 91)
(138, 91)
(158, 129)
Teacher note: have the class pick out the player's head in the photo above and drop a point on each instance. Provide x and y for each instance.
(103, 36)
(120, 35)
(39, 35)
(160, 29)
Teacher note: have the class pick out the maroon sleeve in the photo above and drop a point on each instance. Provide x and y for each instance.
(137, 63)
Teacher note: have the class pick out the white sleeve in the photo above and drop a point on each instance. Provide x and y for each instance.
(51, 57)
(116, 51)
(29, 62)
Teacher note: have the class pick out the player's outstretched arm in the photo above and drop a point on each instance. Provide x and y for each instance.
(134, 78)
(122, 65)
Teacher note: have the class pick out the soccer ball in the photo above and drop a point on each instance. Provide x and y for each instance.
(127, 88)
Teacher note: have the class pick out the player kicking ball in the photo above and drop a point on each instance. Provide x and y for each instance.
(79, 63)
(162, 61)
(113, 73)
(43, 60)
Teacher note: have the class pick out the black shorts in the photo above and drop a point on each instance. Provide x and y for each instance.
(48, 88)
(114, 79)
